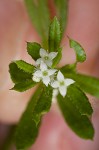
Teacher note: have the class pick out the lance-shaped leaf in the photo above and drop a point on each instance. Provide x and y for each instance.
(80, 53)
(44, 17)
(23, 86)
(54, 35)
(39, 14)
(43, 104)
(86, 83)
(26, 67)
(80, 100)
(57, 59)
(33, 50)
(69, 68)
(28, 126)
(18, 75)
(62, 12)
(80, 124)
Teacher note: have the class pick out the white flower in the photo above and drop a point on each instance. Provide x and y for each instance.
(46, 57)
(61, 83)
(36, 79)
(43, 74)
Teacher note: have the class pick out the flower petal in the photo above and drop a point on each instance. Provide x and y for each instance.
(43, 66)
(51, 71)
(48, 63)
(52, 55)
(69, 81)
(36, 79)
(63, 90)
(38, 73)
(55, 84)
(60, 76)
(46, 80)
(38, 61)
(43, 53)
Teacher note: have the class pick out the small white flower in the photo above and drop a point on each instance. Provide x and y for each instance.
(36, 79)
(44, 74)
(61, 83)
(46, 57)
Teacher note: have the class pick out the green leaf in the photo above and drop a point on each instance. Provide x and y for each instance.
(80, 124)
(69, 68)
(18, 75)
(80, 53)
(43, 104)
(23, 86)
(26, 67)
(28, 127)
(27, 131)
(57, 59)
(80, 100)
(54, 35)
(39, 14)
(62, 12)
(86, 83)
(33, 50)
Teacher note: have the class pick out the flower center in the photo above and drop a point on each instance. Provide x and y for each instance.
(61, 83)
(45, 73)
(46, 57)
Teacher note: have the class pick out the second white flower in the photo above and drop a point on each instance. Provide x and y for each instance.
(43, 74)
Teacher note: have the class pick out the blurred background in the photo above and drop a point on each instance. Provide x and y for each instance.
(15, 29)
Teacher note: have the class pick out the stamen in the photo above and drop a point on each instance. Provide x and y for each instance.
(45, 73)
